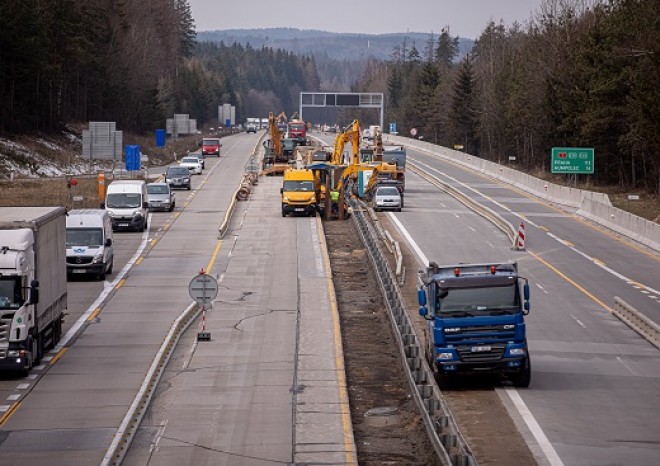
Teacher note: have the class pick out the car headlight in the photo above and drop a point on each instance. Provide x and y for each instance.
(285, 199)
(137, 214)
(313, 199)
(111, 213)
(98, 259)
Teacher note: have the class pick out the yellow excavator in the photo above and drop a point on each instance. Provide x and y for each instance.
(276, 161)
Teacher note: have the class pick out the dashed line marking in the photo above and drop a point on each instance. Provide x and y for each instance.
(58, 356)
(543, 228)
(14, 397)
(578, 321)
(139, 260)
(94, 314)
(9, 412)
(121, 283)
(22, 386)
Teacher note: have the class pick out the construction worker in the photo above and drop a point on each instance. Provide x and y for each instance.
(334, 201)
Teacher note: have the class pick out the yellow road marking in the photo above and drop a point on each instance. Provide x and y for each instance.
(139, 260)
(213, 257)
(153, 241)
(568, 243)
(121, 283)
(339, 359)
(571, 281)
(543, 228)
(599, 262)
(5, 417)
(58, 356)
(94, 314)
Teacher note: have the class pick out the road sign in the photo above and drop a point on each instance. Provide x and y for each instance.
(413, 132)
(576, 160)
(203, 288)
(393, 127)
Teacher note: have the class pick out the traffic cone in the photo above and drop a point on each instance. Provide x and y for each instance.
(520, 242)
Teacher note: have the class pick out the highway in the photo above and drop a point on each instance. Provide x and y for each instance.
(69, 408)
(595, 383)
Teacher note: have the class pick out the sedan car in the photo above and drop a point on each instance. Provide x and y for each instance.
(160, 197)
(192, 163)
(200, 156)
(178, 177)
(387, 197)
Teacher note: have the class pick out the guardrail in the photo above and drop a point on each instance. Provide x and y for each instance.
(447, 441)
(391, 244)
(480, 209)
(124, 435)
(637, 321)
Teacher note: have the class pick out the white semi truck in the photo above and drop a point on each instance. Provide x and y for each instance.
(33, 287)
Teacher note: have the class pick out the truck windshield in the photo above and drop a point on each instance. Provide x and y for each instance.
(84, 237)
(298, 186)
(11, 296)
(482, 301)
(123, 200)
(211, 142)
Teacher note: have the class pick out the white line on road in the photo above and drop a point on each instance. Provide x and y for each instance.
(578, 321)
(14, 397)
(540, 287)
(518, 402)
(473, 229)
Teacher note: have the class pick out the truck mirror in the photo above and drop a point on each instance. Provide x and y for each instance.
(102, 205)
(423, 311)
(526, 306)
(145, 205)
(526, 291)
(34, 292)
(281, 190)
(421, 297)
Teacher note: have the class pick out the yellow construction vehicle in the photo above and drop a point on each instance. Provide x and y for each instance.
(298, 192)
(278, 150)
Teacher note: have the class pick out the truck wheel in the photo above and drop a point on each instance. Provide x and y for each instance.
(102, 273)
(443, 380)
(283, 213)
(524, 377)
(112, 264)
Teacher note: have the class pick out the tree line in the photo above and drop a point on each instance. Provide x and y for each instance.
(133, 62)
(579, 74)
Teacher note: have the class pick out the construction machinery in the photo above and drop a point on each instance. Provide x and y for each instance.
(279, 150)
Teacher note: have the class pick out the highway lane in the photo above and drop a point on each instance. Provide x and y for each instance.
(72, 411)
(595, 382)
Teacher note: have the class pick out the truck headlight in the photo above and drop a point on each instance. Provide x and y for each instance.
(285, 199)
(517, 352)
(111, 213)
(137, 214)
(98, 259)
(444, 356)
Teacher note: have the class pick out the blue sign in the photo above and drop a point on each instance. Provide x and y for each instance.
(160, 138)
(393, 128)
(132, 157)
(228, 123)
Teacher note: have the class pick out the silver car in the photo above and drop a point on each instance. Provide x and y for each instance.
(160, 197)
(192, 163)
(387, 198)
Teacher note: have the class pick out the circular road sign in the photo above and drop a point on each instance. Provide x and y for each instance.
(413, 132)
(203, 288)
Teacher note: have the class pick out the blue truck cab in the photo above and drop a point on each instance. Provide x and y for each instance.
(476, 325)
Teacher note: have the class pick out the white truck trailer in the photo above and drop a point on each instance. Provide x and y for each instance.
(33, 288)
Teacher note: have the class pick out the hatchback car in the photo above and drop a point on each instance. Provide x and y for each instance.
(178, 177)
(160, 197)
(387, 198)
(192, 163)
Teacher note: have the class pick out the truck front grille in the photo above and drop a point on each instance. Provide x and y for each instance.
(5, 323)
(467, 354)
(79, 260)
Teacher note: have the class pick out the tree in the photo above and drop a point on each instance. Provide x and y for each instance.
(463, 121)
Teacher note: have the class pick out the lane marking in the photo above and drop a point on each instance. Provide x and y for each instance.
(9, 413)
(518, 402)
(94, 314)
(14, 397)
(22, 386)
(540, 287)
(139, 260)
(347, 425)
(58, 356)
(473, 229)
(120, 283)
(578, 321)
(214, 255)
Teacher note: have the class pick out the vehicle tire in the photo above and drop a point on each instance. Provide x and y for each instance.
(171, 208)
(40, 348)
(399, 209)
(443, 380)
(57, 331)
(189, 187)
(523, 378)
(102, 273)
(283, 213)
(112, 264)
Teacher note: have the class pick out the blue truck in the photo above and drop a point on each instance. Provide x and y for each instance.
(476, 325)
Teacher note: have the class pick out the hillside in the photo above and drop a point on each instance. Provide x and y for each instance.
(340, 57)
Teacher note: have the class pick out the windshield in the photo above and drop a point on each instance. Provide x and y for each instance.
(84, 237)
(470, 301)
(177, 171)
(296, 126)
(190, 160)
(10, 293)
(298, 186)
(123, 200)
(157, 189)
(210, 142)
(389, 191)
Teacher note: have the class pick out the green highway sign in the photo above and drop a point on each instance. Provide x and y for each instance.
(577, 160)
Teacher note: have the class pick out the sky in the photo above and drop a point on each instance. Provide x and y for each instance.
(466, 18)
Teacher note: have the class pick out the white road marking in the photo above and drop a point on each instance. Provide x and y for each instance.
(40, 367)
(4, 408)
(456, 215)
(472, 228)
(13, 397)
(627, 365)
(525, 413)
(540, 287)
(316, 245)
(578, 321)
(159, 435)
(22, 386)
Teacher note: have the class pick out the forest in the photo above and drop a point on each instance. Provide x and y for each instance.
(133, 62)
(580, 74)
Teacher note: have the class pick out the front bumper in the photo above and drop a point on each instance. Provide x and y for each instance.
(160, 205)
(94, 269)
(119, 223)
(299, 209)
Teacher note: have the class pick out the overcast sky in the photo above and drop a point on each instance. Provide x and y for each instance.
(466, 18)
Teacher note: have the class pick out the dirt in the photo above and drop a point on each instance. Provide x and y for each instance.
(373, 364)
(481, 417)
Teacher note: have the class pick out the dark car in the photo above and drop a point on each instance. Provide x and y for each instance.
(178, 177)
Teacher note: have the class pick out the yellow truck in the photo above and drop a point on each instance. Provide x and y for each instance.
(298, 192)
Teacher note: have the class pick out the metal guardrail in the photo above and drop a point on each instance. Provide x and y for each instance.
(447, 441)
(480, 209)
(391, 244)
(124, 435)
(637, 321)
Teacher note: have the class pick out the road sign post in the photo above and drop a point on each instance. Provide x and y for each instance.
(203, 289)
(572, 160)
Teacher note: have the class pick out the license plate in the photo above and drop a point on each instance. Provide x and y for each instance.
(299, 209)
(78, 271)
(123, 224)
(480, 349)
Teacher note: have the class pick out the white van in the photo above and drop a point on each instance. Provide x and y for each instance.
(127, 204)
(89, 243)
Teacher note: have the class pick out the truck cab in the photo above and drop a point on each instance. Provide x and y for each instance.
(476, 325)
(298, 192)
(298, 132)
